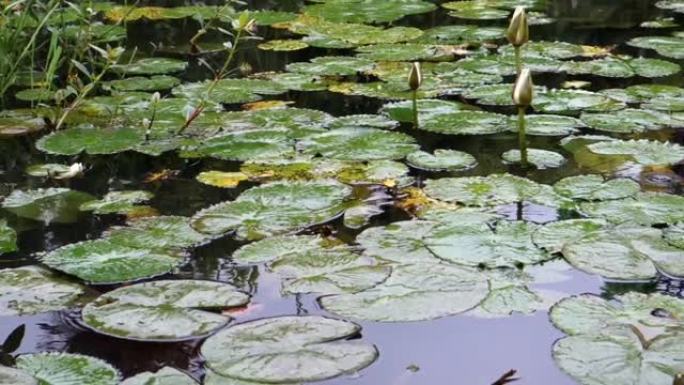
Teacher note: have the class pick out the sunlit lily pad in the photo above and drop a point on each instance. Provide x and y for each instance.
(139, 83)
(541, 159)
(569, 101)
(630, 121)
(152, 66)
(8, 238)
(367, 11)
(357, 143)
(407, 52)
(117, 202)
(555, 235)
(49, 205)
(509, 294)
(475, 10)
(427, 109)
(287, 349)
(283, 45)
(19, 122)
(674, 235)
(157, 232)
(416, 292)
(274, 208)
(495, 94)
(400, 242)
(668, 46)
(104, 262)
(68, 368)
(228, 91)
(465, 123)
(492, 190)
(595, 188)
(32, 289)
(508, 244)
(167, 310)
(547, 125)
(622, 67)
(94, 141)
(461, 34)
(643, 151)
(441, 159)
(625, 253)
(9, 375)
(164, 376)
(242, 145)
(363, 120)
(646, 209)
(299, 121)
(333, 66)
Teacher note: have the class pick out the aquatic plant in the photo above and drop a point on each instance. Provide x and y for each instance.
(518, 34)
(523, 91)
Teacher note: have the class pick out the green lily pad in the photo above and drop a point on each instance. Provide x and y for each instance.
(363, 120)
(228, 91)
(509, 294)
(646, 208)
(495, 94)
(32, 289)
(157, 232)
(367, 11)
(643, 151)
(359, 216)
(139, 83)
(287, 349)
(104, 262)
(427, 109)
(152, 66)
(417, 292)
(299, 82)
(8, 238)
(616, 67)
(167, 310)
(164, 376)
(358, 143)
(19, 122)
(46, 170)
(547, 125)
(285, 45)
(13, 376)
(465, 123)
(441, 159)
(94, 141)
(461, 34)
(660, 22)
(588, 313)
(541, 159)
(242, 145)
(333, 66)
(570, 101)
(554, 236)
(492, 190)
(585, 357)
(400, 242)
(674, 235)
(68, 368)
(596, 188)
(504, 65)
(674, 5)
(117, 202)
(549, 49)
(625, 253)
(274, 208)
(299, 122)
(630, 121)
(49, 205)
(668, 46)
(508, 244)
(35, 95)
(475, 10)
(406, 52)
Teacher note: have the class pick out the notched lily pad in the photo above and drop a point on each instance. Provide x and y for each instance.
(441, 160)
(68, 368)
(31, 290)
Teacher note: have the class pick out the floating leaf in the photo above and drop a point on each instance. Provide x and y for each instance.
(416, 292)
(461, 34)
(595, 188)
(228, 91)
(554, 236)
(568, 101)
(547, 125)
(19, 122)
(668, 46)
(493, 190)
(427, 109)
(152, 66)
(117, 202)
(138, 83)
(8, 238)
(221, 179)
(357, 143)
(333, 66)
(164, 376)
(643, 151)
(283, 45)
(287, 349)
(630, 121)
(441, 159)
(541, 159)
(50, 205)
(167, 310)
(407, 52)
(366, 11)
(94, 141)
(31, 290)
(465, 123)
(157, 232)
(646, 209)
(104, 262)
(13, 376)
(674, 235)
(274, 208)
(68, 368)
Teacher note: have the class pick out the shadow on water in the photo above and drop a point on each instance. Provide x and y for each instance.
(454, 350)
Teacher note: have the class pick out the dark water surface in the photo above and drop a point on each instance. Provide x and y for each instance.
(456, 350)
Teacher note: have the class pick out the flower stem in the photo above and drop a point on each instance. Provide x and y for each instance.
(518, 60)
(522, 140)
(415, 109)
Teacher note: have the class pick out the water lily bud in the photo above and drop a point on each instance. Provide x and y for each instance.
(518, 31)
(415, 76)
(74, 170)
(155, 98)
(523, 89)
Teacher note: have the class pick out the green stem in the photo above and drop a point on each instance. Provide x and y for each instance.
(415, 109)
(81, 96)
(518, 60)
(522, 140)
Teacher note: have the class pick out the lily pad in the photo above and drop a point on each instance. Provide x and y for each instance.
(283, 45)
(139, 83)
(541, 159)
(492, 190)
(441, 159)
(274, 208)
(157, 232)
(367, 11)
(401, 242)
(19, 122)
(508, 244)
(49, 205)
(358, 143)
(475, 10)
(643, 151)
(647, 208)
(630, 121)
(167, 310)
(31, 290)
(570, 101)
(407, 52)
(674, 235)
(68, 368)
(287, 349)
(94, 141)
(596, 188)
(164, 376)
(228, 91)
(333, 66)
(668, 46)
(117, 202)
(427, 109)
(104, 262)
(8, 238)
(11, 376)
(547, 125)
(465, 123)
(554, 236)
(461, 34)
(152, 66)
(417, 292)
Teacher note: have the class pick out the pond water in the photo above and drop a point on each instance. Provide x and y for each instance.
(461, 348)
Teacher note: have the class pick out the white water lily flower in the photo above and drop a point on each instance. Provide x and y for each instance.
(74, 170)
